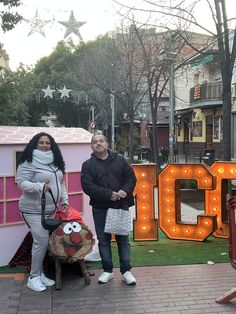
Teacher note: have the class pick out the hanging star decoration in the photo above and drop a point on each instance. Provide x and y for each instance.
(64, 92)
(72, 26)
(48, 92)
(37, 24)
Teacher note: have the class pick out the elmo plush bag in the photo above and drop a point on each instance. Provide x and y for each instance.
(70, 238)
(71, 241)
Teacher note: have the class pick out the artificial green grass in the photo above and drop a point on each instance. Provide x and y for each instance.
(10, 270)
(173, 252)
(164, 252)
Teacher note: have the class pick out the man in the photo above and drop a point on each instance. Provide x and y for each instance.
(109, 181)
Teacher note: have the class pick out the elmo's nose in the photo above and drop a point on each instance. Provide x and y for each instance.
(75, 237)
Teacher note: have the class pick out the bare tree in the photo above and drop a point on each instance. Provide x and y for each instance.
(112, 65)
(129, 91)
(93, 73)
(227, 59)
(156, 71)
(156, 81)
(181, 14)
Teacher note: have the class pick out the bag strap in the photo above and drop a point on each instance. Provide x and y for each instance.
(43, 201)
(50, 191)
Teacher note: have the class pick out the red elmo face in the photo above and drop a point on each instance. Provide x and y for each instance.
(71, 240)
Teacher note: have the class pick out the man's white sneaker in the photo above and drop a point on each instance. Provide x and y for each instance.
(129, 278)
(35, 283)
(46, 281)
(105, 277)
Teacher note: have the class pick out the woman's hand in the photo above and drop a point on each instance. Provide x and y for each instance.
(46, 187)
(65, 207)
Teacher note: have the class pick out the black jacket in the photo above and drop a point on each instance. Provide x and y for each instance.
(100, 178)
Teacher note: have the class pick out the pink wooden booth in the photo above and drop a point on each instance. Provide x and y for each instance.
(75, 147)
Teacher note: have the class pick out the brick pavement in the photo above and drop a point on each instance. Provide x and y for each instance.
(190, 289)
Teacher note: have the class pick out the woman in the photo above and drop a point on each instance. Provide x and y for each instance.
(41, 168)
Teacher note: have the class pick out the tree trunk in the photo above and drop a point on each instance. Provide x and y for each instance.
(154, 136)
(226, 141)
(131, 141)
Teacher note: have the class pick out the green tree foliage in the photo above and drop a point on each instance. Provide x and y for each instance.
(86, 70)
(55, 68)
(12, 107)
(9, 18)
(29, 87)
(67, 113)
(56, 71)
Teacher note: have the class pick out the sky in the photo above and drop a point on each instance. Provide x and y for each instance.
(100, 17)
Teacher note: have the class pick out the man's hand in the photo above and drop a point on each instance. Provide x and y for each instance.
(115, 196)
(122, 194)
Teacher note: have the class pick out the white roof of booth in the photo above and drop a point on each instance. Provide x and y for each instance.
(22, 134)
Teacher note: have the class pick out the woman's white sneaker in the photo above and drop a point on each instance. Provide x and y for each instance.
(129, 278)
(35, 283)
(105, 277)
(46, 281)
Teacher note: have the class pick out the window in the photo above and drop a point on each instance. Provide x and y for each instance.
(197, 128)
(17, 157)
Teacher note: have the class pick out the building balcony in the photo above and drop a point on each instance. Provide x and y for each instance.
(206, 95)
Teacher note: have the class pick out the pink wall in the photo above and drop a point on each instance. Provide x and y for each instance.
(74, 155)
(9, 212)
(10, 218)
(7, 161)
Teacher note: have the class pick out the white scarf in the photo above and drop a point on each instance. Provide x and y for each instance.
(42, 157)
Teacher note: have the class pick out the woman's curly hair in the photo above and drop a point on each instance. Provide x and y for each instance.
(28, 151)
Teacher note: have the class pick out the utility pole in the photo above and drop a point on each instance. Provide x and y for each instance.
(112, 120)
(171, 112)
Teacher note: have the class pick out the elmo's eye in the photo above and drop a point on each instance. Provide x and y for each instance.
(76, 226)
(68, 228)
(71, 226)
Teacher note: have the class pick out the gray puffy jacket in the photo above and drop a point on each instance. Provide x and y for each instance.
(31, 177)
